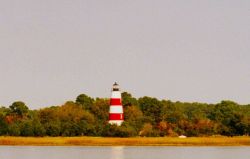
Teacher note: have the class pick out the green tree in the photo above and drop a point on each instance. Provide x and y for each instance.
(109, 130)
(19, 108)
(146, 116)
(152, 108)
(134, 117)
(172, 112)
(227, 115)
(85, 101)
(26, 128)
(53, 128)
(100, 109)
(4, 111)
(125, 130)
(128, 100)
(14, 130)
(3, 125)
(86, 128)
(38, 129)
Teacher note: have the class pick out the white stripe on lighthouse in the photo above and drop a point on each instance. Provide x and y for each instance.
(115, 109)
(116, 94)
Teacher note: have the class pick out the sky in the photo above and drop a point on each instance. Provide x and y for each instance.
(191, 51)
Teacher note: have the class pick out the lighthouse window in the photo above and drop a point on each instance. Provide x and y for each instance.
(115, 89)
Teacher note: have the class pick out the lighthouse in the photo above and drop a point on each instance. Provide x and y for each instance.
(116, 109)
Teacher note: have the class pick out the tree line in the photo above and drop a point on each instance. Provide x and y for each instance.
(145, 116)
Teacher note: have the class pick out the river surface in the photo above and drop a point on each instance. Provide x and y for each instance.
(123, 152)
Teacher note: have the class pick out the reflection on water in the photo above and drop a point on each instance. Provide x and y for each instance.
(122, 152)
(117, 152)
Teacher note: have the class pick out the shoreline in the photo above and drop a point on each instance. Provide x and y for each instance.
(132, 141)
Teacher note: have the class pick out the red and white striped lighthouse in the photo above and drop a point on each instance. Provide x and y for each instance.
(116, 109)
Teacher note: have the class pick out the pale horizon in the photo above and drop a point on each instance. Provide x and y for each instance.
(188, 51)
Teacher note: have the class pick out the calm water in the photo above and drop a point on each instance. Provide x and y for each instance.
(135, 152)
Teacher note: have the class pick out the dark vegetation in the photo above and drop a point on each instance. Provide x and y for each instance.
(145, 116)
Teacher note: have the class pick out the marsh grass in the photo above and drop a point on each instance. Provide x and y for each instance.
(136, 141)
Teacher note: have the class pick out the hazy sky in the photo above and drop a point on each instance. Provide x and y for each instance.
(53, 50)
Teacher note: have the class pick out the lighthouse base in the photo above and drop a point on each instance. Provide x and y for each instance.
(117, 122)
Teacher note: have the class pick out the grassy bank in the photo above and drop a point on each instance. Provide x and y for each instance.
(146, 141)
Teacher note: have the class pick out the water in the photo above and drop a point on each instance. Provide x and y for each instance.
(118, 152)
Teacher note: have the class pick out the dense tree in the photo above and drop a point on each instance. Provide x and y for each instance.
(85, 101)
(227, 114)
(146, 116)
(4, 111)
(38, 128)
(100, 109)
(166, 129)
(3, 125)
(173, 112)
(14, 129)
(19, 108)
(125, 130)
(152, 108)
(134, 117)
(53, 128)
(128, 100)
(147, 130)
(26, 128)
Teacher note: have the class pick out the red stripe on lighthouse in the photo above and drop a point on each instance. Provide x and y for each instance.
(116, 109)
(116, 116)
(115, 101)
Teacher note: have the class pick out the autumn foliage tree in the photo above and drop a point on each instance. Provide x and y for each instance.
(146, 116)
